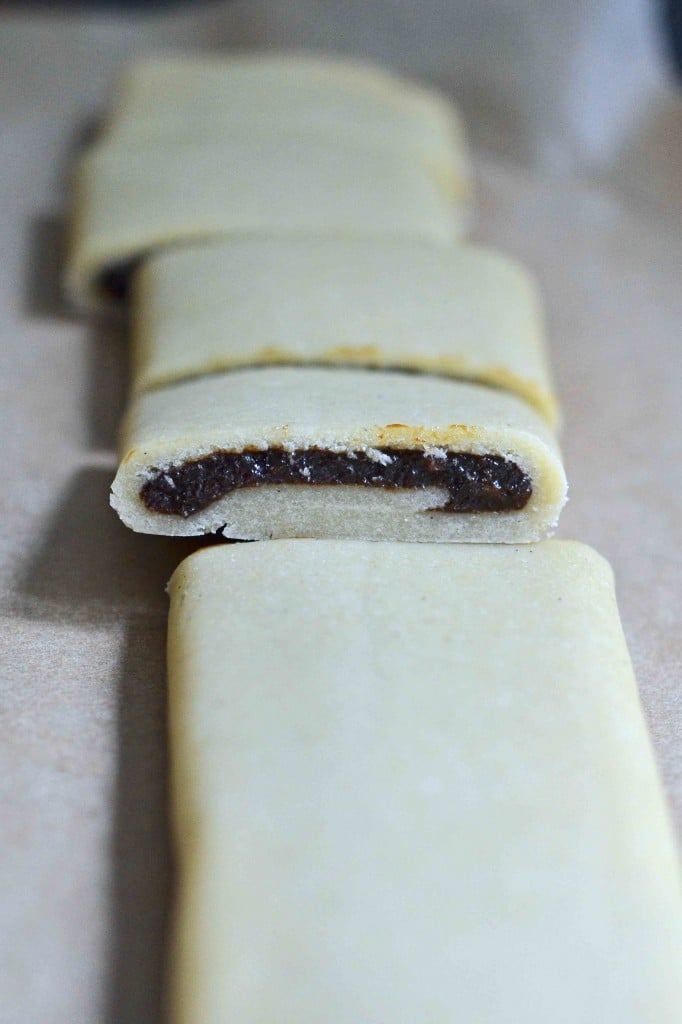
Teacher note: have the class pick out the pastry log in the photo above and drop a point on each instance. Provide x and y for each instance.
(413, 783)
(132, 201)
(199, 97)
(460, 311)
(331, 452)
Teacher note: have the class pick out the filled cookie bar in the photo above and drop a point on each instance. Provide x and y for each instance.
(330, 452)
(460, 311)
(208, 97)
(133, 201)
(413, 783)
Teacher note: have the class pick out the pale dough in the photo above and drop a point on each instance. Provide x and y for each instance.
(413, 784)
(130, 202)
(463, 311)
(344, 410)
(206, 97)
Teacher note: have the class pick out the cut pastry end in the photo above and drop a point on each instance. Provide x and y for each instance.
(286, 452)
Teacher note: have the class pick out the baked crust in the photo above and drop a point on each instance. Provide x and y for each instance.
(462, 311)
(133, 201)
(200, 97)
(414, 783)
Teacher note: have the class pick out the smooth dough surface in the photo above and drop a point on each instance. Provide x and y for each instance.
(413, 783)
(342, 410)
(462, 311)
(195, 97)
(130, 202)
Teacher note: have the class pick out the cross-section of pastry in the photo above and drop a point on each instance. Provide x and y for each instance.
(459, 311)
(208, 97)
(132, 201)
(413, 783)
(314, 452)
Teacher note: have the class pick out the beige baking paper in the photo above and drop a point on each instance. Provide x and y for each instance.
(413, 783)
(195, 96)
(298, 408)
(462, 311)
(132, 201)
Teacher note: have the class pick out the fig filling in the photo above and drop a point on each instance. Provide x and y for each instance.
(115, 282)
(474, 483)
